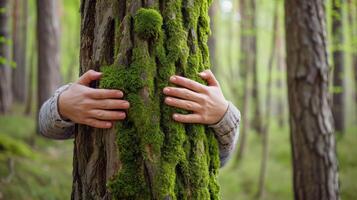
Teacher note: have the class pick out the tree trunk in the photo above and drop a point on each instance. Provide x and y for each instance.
(352, 19)
(311, 123)
(247, 63)
(5, 70)
(265, 131)
(338, 70)
(212, 38)
(19, 32)
(48, 49)
(147, 156)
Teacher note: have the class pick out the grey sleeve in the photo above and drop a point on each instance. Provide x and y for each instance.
(51, 124)
(227, 132)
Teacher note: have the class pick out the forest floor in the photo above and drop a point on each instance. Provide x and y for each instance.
(33, 167)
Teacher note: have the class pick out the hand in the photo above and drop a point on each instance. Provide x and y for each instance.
(93, 107)
(206, 102)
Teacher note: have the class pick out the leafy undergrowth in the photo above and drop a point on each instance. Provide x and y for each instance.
(33, 167)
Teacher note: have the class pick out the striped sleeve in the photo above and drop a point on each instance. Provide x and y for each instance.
(227, 132)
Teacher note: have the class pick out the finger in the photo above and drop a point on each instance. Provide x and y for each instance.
(88, 77)
(183, 93)
(105, 93)
(107, 115)
(98, 123)
(184, 104)
(209, 77)
(187, 83)
(111, 104)
(190, 118)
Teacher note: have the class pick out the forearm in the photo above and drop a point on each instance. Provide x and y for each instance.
(51, 124)
(227, 132)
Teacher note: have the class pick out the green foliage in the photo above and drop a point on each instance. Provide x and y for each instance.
(148, 23)
(14, 147)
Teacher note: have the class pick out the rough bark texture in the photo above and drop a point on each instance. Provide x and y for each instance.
(311, 122)
(338, 69)
(19, 32)
(48, 49)
(138, 45)
(247, 63)
(5, 70)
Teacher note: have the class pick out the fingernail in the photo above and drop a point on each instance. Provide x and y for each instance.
(120, 94)
(108, 124)
(202, 74)
(168, 99)
(174, 115)
(166, 90)
(173, 78)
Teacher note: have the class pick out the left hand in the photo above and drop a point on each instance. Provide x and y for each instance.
(207, 103)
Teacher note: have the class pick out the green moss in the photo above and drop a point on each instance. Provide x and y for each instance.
(148, 23)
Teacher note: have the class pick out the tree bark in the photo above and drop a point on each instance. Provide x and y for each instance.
(338, 70)
(5, 70)
(311, 122)
(19, 32)
(147, 156)
(247, 64)
(48, 49)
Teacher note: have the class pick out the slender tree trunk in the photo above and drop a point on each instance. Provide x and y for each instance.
(281, 85)
(352, 19)
(265, 131)
(30, 81)
(311, 122)
(212, 38)
(19, 32)
(338, 60)
(5, 70)
(48, 49)
(247, 63)
(147, 156)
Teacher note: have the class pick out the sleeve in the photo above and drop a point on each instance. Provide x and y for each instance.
(227, 132)
(51, 124)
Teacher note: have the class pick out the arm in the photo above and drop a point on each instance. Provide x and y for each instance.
(227, 133)
(208, 106)
(51, 124)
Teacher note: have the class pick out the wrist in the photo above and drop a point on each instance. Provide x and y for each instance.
(61, 106)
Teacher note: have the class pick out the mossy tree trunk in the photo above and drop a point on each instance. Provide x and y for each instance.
(5, 70)
(138, 45)
(315, 169)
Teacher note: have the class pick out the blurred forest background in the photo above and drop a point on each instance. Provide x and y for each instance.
(248, 56)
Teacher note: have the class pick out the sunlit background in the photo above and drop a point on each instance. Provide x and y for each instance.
(32, 167)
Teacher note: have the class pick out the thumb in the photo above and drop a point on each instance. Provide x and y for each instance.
(209, 77)
(88, 77)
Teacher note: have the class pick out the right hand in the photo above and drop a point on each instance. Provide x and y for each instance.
(93, 107)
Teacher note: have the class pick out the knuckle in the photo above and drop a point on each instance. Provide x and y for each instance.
(99, 113)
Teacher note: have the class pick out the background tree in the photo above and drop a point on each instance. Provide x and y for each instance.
(247, 67)
(311, 124)
(19, 33)
(48, 49)
(148, 156)
(338, 69)
(5, 70)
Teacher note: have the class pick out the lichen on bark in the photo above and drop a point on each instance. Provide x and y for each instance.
(160, 158)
